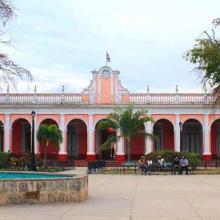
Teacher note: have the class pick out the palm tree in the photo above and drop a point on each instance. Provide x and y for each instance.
(127, 123)
(49, 134)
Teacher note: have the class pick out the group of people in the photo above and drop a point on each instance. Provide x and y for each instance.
(179, 164)
(146, 166)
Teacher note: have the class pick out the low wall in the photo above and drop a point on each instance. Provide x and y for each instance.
(36, 191)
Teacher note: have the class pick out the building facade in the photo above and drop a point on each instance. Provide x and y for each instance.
(182, 122)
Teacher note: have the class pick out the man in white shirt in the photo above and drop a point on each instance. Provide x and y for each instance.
(149, 166)
(184, 165)
(161, 163)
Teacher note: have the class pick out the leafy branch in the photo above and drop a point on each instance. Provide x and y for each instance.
(205, 55)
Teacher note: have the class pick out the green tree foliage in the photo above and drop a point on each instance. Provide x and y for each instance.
(126, 123)
(205, 54)
(49, 134)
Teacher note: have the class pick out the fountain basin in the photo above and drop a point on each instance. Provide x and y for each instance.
(37, 188)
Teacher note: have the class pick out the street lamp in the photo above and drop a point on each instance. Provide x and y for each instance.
(181, 128)
(33, 159)
(1, 137)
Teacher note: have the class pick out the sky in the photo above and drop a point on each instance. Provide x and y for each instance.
(62, 41)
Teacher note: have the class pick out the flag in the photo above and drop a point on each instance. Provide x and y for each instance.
(108, 59)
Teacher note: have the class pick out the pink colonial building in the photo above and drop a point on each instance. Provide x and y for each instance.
(182, 122)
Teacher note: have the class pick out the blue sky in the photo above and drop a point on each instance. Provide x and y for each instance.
(62, 41)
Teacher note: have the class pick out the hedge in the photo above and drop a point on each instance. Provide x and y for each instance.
(194, 159)
(4, 160)
(8, 160)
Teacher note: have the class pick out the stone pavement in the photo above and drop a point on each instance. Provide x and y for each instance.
(133, 197)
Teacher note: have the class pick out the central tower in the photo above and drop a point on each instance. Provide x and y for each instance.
(105, 87)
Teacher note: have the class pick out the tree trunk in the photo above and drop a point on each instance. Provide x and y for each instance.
(45, 154)
(100, 153)
(129, 151)
(45, 158)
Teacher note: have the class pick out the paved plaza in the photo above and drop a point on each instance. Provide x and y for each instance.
(133, 197)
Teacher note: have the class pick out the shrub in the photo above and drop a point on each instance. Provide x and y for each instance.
(4, 160)
(23, 162)
(10, 161)
(194, 159)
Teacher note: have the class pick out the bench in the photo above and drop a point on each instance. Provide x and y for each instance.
(94, 166)
(191, 169)
(170, 169)
(167, 168)
(131, 165)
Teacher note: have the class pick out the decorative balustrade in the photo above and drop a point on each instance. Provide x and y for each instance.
(136, 98)
(170, 98)
(33, 98)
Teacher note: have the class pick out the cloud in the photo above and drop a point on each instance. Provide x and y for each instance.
(62, 41)
(53, 80)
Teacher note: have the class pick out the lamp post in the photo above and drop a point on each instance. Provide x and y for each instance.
(33, 159)
(1, 136)
(181, 128)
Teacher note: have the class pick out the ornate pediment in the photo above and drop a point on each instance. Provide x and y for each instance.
(105, 87)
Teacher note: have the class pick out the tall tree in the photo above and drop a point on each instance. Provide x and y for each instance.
(47, 134)
(205, 54)
(126, 123)
(9, 70)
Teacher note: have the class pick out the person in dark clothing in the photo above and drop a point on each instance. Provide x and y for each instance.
(175, 165)
(184, 165)
(142, 164)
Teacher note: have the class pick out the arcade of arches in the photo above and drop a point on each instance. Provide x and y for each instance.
(164, 135)
(80, 139)
(192, 138)
(51, 150)
(21, 136)
(101, 136)
(76, 139)
(137, 145)
(215, 139)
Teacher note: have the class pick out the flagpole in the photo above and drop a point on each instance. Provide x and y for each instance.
(106, 58)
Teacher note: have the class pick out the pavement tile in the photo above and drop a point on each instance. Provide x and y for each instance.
(133, 197)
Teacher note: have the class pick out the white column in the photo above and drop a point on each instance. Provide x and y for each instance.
(91, 137)
(177, 134)
(36, 150)
(148, 140)
(120, 146)
(62, 128)
(7, 133)
(206, 142)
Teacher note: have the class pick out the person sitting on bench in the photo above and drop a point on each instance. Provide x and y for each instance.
(184, 165)
(161, 163)
(142, 164)
(175, 165)
(149, 166)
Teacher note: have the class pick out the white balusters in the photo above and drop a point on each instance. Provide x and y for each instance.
(138, 98)
(169, 98)
(40, 98)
